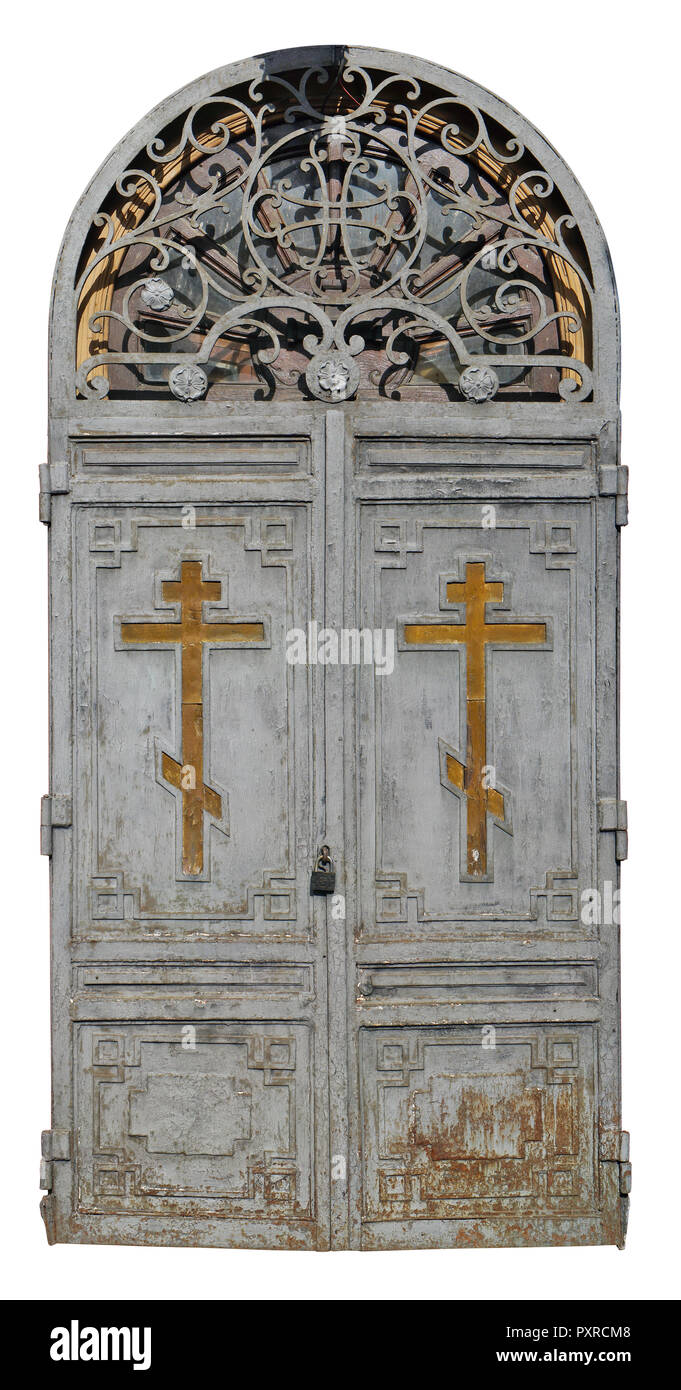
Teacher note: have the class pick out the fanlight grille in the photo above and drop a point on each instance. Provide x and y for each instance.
(331, 232)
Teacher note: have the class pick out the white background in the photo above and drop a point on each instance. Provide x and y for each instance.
(598, 80)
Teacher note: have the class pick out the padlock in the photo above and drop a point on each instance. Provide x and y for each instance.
(323, 876)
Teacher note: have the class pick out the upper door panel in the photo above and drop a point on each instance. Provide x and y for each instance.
(193, 758)
(486, 825)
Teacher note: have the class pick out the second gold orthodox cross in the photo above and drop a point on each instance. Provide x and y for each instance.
(475, 635)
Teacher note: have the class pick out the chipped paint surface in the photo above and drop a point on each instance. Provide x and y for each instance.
(429, 1056)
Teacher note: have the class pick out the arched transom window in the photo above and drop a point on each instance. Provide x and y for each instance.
(334, 232)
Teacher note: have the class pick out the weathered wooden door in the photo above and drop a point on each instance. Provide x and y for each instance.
(198, 994)
(334, 495)
(483, 978)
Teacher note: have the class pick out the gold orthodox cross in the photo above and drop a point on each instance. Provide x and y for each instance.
(475, 634)
(192, 634)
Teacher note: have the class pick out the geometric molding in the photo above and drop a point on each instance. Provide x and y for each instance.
(223, 1126)
(557, 901)
(452, 1128)
(265, 531)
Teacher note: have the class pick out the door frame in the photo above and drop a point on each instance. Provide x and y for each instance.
(66, 481)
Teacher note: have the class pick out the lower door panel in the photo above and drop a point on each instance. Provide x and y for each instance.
(479, 1135)
(202, 1126)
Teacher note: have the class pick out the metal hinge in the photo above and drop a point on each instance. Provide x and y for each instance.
(612, 815)
(54, 810)
(54, 477)
(614, 1148)
(56, 1148)
(613, 477)
(613, 481)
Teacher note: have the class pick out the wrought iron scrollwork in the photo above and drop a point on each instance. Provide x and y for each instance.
(330, 233)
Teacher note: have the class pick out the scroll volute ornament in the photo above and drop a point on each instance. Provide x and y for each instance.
(335, 224)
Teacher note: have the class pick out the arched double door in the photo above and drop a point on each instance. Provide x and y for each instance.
(333, 501)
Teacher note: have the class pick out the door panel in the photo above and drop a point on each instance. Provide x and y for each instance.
(198, 1034)
(160, 855)
(222, 1128)
(532, 849)
(482, 988)
(452, 1129)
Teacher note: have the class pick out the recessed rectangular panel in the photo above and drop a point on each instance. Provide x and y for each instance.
(151, 459)
(193, 992)
(212, 1119)
(475, 802)
(194, 761)
(466, 1122)
(456, 456)
(382, 984)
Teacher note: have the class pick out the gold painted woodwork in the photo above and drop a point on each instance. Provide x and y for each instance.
(191, 633)
(475, 634)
